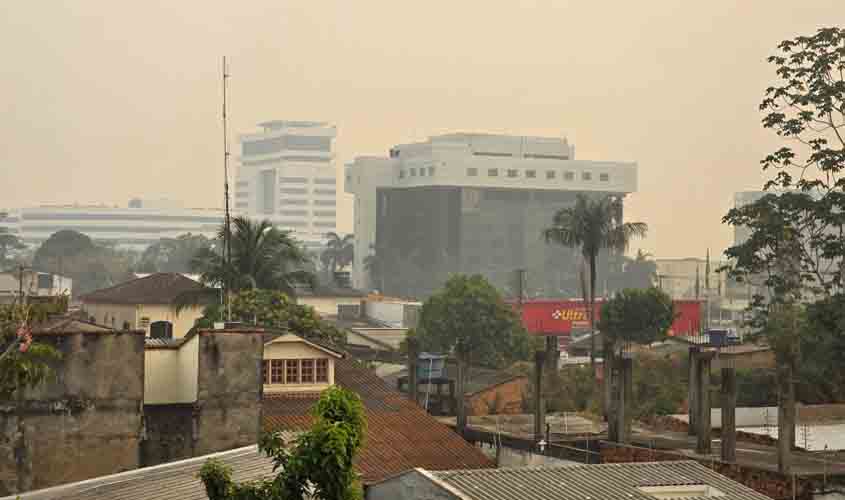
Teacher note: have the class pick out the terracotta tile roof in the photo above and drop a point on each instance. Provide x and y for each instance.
(159, 288)
(400, 435)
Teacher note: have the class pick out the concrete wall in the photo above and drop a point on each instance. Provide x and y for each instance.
(170, 375)
(391, 313)
(169, 433)
(84, 423)
(411, 485)
(229, 390)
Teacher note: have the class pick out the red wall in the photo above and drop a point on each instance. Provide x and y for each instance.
(559, 317)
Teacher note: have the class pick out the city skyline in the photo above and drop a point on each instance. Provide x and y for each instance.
(89, 105)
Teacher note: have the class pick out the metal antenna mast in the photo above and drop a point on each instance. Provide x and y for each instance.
(227, 224)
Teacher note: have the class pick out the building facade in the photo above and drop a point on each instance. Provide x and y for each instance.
(471, 203)
(287, 175)
(138, 225)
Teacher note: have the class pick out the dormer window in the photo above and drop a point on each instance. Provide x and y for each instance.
(294, 364)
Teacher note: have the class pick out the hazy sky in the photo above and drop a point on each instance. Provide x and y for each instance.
(104, 100)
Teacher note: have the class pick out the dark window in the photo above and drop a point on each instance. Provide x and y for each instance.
(325, 191)
(322, 370)
(293, 212)
(293, 180)
(325, 203)
(277, 371)
(422, 172)
(472, 172)
(550, 174)
(513, 173)
(547, 157)
(324, 180)
(431, 171)
(531, 174)
(293, 191)
(401, 174)
(586, 176)
(307, 371)
(293, 202)
(492, 172)
(604, 177)
(569, 176)
(265, 371)
(413, 172)
(292, 371)
(488, 153)
(325, 213)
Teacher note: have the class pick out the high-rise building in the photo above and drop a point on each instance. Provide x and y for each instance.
(471, 203)
(287, 175)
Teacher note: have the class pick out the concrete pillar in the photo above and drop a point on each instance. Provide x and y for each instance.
(786, 418)
(413, 356)
(692, 397)
(704, 444)
(728, 414)
(624, 387)
(539, 403)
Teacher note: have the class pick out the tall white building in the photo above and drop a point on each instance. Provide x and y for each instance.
(470, 203)
(287, 175)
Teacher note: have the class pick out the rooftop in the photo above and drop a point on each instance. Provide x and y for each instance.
(627, 481)
(158, 288)
(400, 435)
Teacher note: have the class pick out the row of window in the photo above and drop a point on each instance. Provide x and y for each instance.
(305, 191)
(304, 180)
(511, 173)
(317, 213)
(306, 159)
(322, 203)
(295, 371)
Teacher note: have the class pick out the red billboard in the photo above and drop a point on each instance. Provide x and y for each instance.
(561, 317)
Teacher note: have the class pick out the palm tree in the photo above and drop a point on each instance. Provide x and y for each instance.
(592, 225)
(262, 257)
(339, 251)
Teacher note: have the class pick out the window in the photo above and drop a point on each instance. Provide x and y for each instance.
(325, 213)
(586, 176)
(324, 203)
(512, 172)
(322, 374)
(241, 194)
(293, 212)
(324, 180)
(277, 371)
(293, 202)
(550, 174)
(292, 371)
(325, 191)
(413, 172)
(569, 176)
(431, 171)
(401, 174)
(293, 180)
(241, 184)
(265, 369)
(422, 172)
(531, 174)
(472, 172)
(307, 371)
(604, 177)
(492, 172)
(293, 191)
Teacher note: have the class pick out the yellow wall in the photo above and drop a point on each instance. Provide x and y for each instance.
(171, 375)
(113, 315)
(326, 306)
(296, 349)
(182, 321)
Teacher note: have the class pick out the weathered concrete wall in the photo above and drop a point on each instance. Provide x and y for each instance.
(412, 485)
(169, 433)
(229, 390)
(86, 422)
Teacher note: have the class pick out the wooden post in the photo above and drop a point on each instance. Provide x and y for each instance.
(692, 397)
(728, 414)
(704, 444)
(539, 406)
(413, 356)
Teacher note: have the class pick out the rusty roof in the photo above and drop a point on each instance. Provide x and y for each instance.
(400, 435)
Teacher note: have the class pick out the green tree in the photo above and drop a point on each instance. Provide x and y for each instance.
(90, 265)
(318, 464)
(24, 362)
(796, 247)
(593, 225)
(262, 257)
(339, 251)
(172, 255)
(470, 320)
(8, 243)
(639, 272)
(275, 310)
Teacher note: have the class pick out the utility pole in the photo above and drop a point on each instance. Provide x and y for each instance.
(227, 244)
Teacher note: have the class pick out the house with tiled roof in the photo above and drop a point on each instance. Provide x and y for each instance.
(629, 481)
(400, 435)
(151, 303)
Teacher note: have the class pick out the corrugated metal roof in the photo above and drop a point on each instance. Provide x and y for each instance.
(590, 482)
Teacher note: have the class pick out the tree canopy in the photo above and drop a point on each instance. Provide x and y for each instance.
(275, 310)
(469, 318)
(262, 257)
(640, 316)
(172, 255)
(317, 464)
(24, 362)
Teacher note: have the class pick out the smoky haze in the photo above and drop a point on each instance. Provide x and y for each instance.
(105, 100)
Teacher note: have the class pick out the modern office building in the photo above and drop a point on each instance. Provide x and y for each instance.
(471, 203)
(287, 175)
(136, 226)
